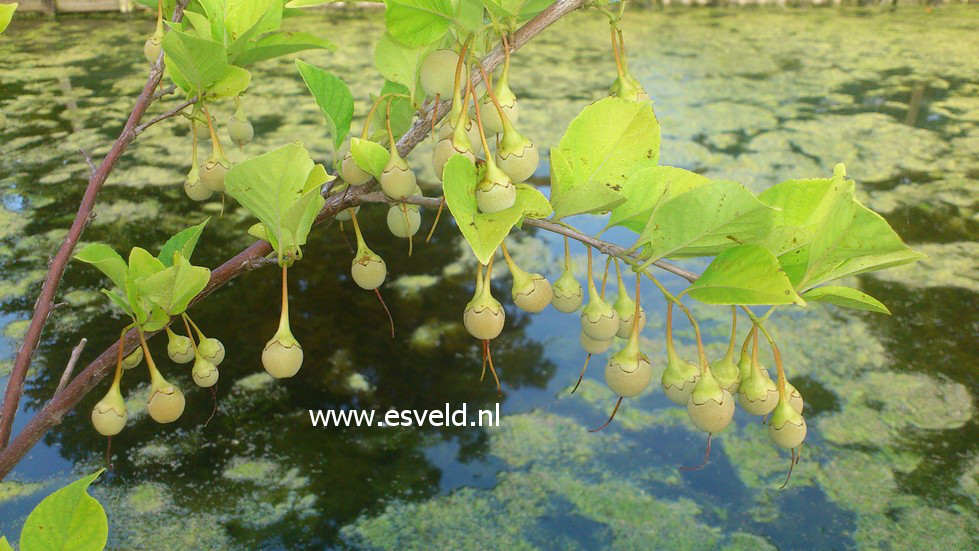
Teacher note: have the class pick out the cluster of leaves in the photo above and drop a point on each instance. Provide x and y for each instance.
(206, 53)
(151, 289)
(283, 189)
(773, 248)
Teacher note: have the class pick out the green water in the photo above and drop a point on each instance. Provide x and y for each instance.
(751, 95)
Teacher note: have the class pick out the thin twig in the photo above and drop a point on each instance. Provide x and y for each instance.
(88, 160)
(165, 91)
(169, 114)
(604, 247)
(72, 360)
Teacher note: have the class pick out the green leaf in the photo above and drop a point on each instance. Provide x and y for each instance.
(278, 189)
(215, 14)
(707, 220)
(122, 303)
(867, 244)
(646, 190)
(201, 62)
(400, 63)
(174, 288)
(846, 297)
(744, 275)
(804, 207)
(200, 23)
(106, 260)
(233, 83)
(533, 7)
(418, 22)
(333, 97)
(69, 520)
(183, 242)
(4, 544)
(370, 156)
(535, 204)
(604, 145)
(258, 230)
(823, 233)
(6, 14)
(241, 16)
(468, 16)
(504, 8)
(483, 232)
(281, 43)
(402, 113)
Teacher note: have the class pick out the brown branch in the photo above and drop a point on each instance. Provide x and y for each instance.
(604, 246)
(52, 413)
(43, 306)
(72, 361)
(171, 113)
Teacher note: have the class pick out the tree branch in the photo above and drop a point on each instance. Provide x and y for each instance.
(171, 113)
(45, 302)
(250, 258)
(605, 247)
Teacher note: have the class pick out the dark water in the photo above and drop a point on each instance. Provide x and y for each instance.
(755, 96)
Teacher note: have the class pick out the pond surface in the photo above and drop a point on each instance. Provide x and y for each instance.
(750, 95)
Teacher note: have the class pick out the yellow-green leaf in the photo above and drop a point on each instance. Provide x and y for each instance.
(67, 520)
(744, 275)
(846, 297)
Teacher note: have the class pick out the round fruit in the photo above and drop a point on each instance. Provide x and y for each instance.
(679, 378)
(241, 131)
(345, 214)
(444, 150)
(109, 415)
(568, 293)
(398, 181)
(204, 373)
(368, 270)
(710, 407)
(133, 359)
(519, 163)
(484, 319)
(282, 357)
(212, 174)
(438, 73)
(628, 374)
(599, 320)
(166, 404)
(194, 188)
(351, 173)
(787, 428)
(212, 350)
(152, 48)
(179, 347)
(592, 346)
(758, 395)
(533, 294)
(495, 197)
(403, 223)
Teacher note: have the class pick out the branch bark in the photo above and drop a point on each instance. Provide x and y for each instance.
(45, 302)
(604, 247)
(252, 257)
